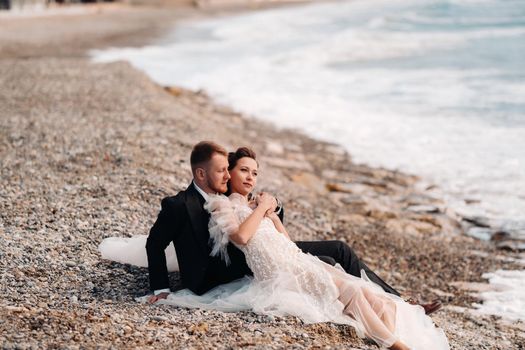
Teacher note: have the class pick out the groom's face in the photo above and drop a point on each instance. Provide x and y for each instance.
(217, 174)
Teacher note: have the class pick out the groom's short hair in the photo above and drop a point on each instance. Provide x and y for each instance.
(203, 151)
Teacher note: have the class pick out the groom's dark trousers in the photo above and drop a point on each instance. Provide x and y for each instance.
(184, 221)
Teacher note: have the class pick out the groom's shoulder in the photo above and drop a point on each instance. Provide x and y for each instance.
(175, 200)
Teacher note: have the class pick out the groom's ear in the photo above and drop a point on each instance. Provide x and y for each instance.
(200, 173)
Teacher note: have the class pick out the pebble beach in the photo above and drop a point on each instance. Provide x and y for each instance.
(88, 151)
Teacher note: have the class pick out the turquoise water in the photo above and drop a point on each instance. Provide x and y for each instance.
(494, 42)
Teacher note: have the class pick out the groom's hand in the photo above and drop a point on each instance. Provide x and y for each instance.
(154, 298)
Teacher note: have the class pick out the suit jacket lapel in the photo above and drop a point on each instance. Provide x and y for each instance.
(198, 216)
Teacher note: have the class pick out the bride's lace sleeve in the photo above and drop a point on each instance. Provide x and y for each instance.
(223, 222)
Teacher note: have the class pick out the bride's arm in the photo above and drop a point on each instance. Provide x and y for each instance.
(248, 228)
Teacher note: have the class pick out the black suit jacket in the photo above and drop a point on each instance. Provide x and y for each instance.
(184, 221)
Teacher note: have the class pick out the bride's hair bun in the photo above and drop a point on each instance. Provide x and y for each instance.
(241, 152)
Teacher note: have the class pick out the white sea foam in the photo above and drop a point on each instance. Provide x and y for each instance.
(507, 298)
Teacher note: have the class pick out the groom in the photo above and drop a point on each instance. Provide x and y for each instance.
(183, 221)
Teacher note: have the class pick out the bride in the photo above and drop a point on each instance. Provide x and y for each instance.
(280, 268)
(287, 281)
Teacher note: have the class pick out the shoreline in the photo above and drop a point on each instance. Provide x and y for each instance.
(89, 151)
(476, 216)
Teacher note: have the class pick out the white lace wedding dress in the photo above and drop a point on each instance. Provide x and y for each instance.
(287, 281)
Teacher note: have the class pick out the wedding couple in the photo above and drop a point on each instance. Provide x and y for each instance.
(234, 253)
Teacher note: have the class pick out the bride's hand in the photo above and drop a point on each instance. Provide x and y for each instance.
(266, 201)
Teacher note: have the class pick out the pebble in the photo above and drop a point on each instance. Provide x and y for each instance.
(423, 208)
(160, 318)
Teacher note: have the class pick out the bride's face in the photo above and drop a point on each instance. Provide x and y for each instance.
(244, 176)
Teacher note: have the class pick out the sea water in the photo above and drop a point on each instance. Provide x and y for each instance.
(434, 88)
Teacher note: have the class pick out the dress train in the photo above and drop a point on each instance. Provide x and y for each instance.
(132, 251)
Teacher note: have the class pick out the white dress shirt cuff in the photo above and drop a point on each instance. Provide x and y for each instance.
(165, 290)
(279, 206)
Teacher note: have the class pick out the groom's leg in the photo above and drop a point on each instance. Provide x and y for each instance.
(346, 257)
